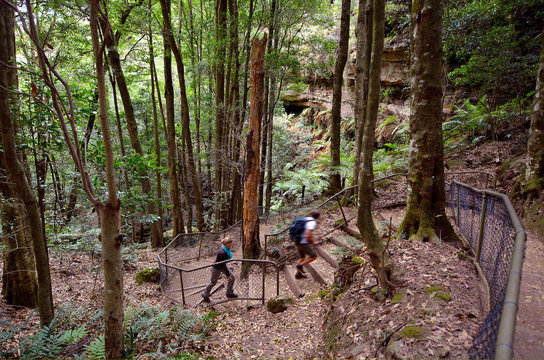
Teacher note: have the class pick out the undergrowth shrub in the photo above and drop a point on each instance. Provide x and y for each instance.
(149, 333)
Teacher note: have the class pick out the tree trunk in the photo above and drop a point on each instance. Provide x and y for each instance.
(336, 116)
(425, 213)
(220, 151)
(379, 257)
(186, 130)
(362, 65)
(110, 217)
(177, 216)
(19, 283)
(132, 126)
(533, 178)
(251, 245)
(155, 136)
(15, 168)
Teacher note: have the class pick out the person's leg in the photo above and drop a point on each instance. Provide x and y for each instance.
(230, 285)
(301, 257)
(213, 281)
(308, 260)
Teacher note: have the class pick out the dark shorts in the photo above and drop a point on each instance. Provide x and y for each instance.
(306, 250)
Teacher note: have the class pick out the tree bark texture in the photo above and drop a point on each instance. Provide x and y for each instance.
(336, 116)
(425, 213)
(362, 66)
(109, 215)
(157, 148)
(379, 257)
(177, 215)
(132, 126)
(15, 168)
(185, 121)
(19, 282)
(534, 168)
(251, 245)
(220, 146)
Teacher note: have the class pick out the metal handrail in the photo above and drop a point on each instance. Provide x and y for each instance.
(263, 263)
(507, 325)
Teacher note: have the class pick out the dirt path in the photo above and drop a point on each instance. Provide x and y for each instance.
(529, 338)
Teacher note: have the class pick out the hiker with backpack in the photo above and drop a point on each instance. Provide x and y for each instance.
(301, 231)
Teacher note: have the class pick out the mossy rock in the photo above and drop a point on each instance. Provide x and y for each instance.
(462, 256)
(279, 303)
(397, 298)
(445, 297)
(149, 275)
(432, 289)
(413, 332)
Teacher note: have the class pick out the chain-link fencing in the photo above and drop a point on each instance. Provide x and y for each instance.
(487, 220)
(185, 270)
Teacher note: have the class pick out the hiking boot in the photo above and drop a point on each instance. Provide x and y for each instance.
(300, 275)
(206, 299)
(300, 268)
(232, 296)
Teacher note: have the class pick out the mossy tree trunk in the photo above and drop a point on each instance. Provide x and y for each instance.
(13, 165)
(379, 257)
(531, 182)
(425, 216)
(336, 116)
(362, 65)
(251, 245)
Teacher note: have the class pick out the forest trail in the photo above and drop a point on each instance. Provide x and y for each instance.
(529, 338)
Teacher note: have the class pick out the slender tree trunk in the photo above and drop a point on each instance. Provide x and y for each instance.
(119, 129)
(425, 213)
(220, 151)
(132, 126)
(271, 108)
(177, 215)
(336, 116)
(186, 130)
(379, 257)
(15, 168)
(156, 134)
(251, 245)
(110, 217)
(362, 65)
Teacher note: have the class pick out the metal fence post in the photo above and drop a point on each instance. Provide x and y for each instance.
(482, 227)
(458, 204)
(182, 289)
(342, 210)
(263, 268)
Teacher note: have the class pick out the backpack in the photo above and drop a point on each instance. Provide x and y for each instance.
(296, 230)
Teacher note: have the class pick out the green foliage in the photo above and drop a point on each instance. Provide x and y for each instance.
(493, 45)
(96, 350)
(393, 159)
(147, 326)
(475, 123)
(69, 326)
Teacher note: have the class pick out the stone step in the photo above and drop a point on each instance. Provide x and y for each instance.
(315, 274)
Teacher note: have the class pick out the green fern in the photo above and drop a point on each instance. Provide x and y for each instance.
(96, 350)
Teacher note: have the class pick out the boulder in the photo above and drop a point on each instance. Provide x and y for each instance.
(278, 303)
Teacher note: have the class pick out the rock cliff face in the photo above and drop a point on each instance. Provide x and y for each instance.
(395, 73)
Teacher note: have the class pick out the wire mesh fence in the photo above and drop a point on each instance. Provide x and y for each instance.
(186, 285)
(488, 222)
